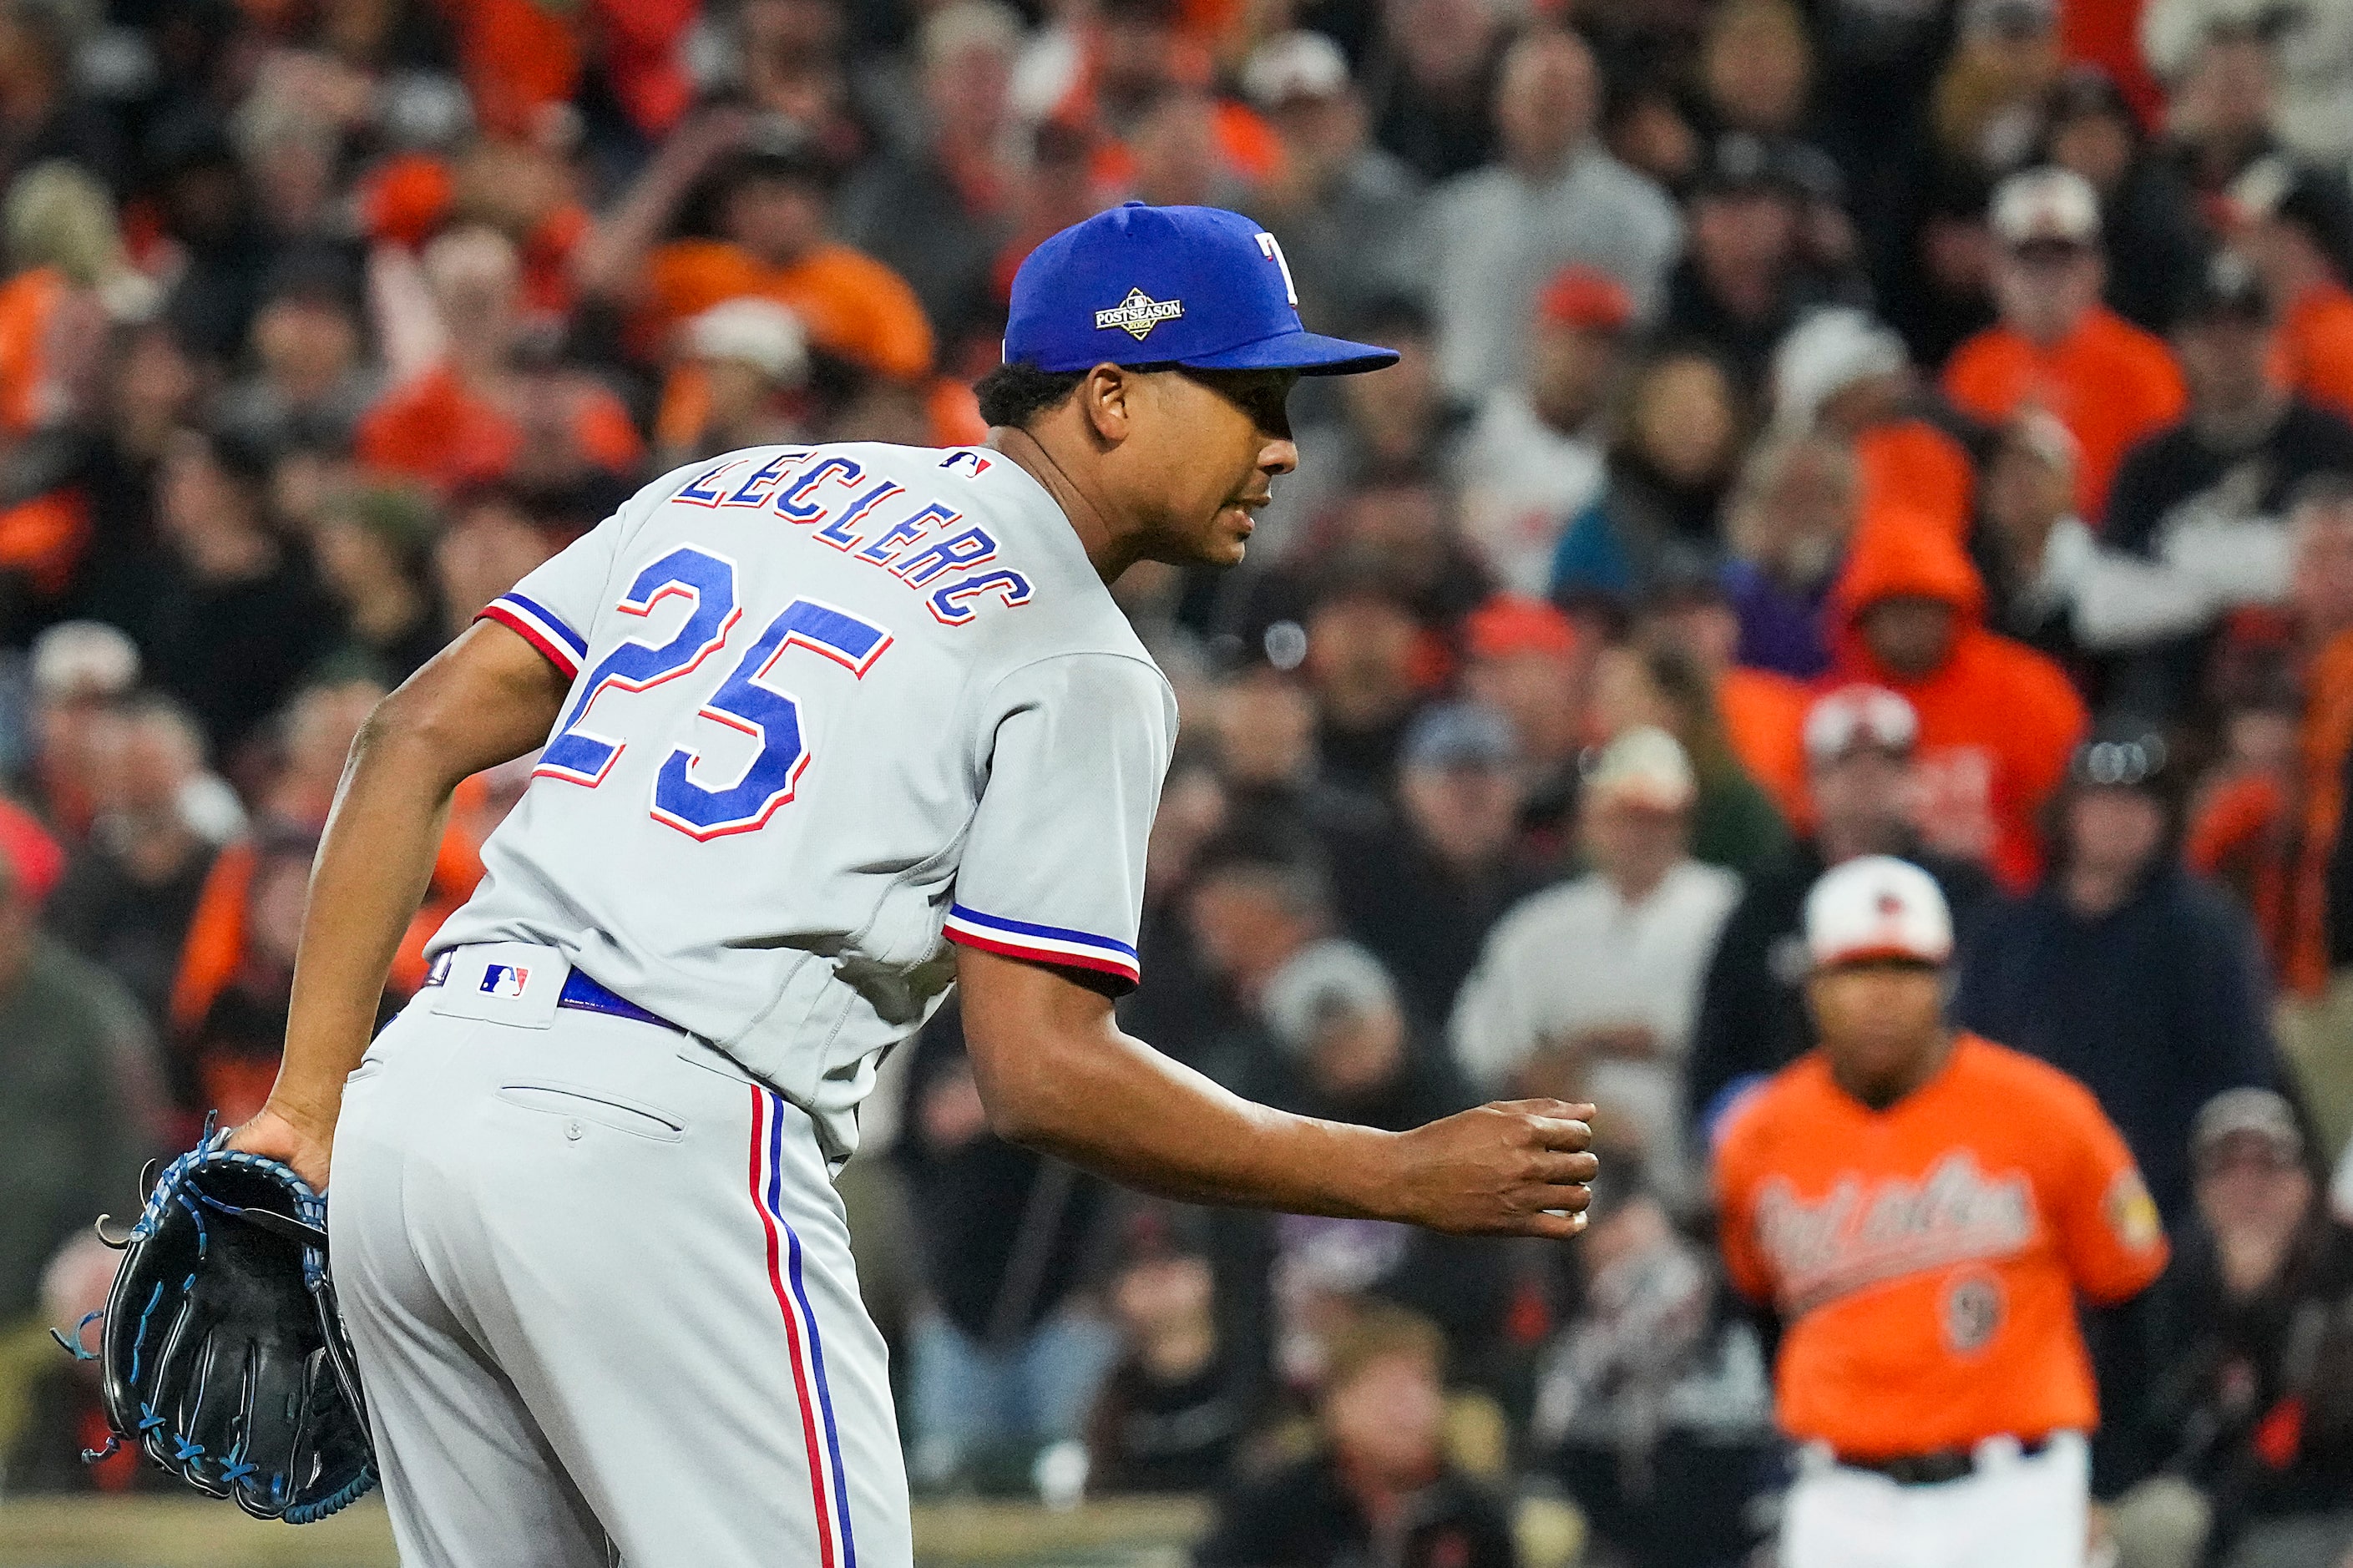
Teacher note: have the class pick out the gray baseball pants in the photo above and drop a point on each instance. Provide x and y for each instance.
(602, 1295)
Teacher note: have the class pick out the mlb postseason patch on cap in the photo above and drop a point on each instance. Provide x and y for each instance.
(1138, 314)
(1198, 287)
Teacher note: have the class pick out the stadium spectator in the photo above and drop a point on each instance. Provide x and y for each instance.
(1669, 468)
(1860, 742)
(489, 406)
(1970, 1443)
(1786, 526)
(238, 617)
(1173, 1410)
(374, 545)
(1527, 661)
(1656, 683)
(1342, 1047)
(1422, 887)
(1761, 711)
(130, 893)
(1739, 286)
(1343, 210)
(2154, 241)
(1841, 372)
(937, 211)
(1532, 459)
(1997, 721)
(1498, 233)
(1652, 1402)
(2295, 226)
(2203, 502)
(2253, 1401)
(1379, 1481)
(1432, 82)
(742, 368)
(2121, 970)
(83, 1102)
(1593, 985)
(310, 382)
(2026, 532)
(771, 181)
(1986, 104)
(2309, 53)
(1008, 1351)
(2057, 347)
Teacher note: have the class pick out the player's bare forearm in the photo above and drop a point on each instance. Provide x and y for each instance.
(1058, 1075)
(488, 697)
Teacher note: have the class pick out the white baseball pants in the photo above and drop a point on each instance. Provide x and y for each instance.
(2013, 1511)
(602, 1295)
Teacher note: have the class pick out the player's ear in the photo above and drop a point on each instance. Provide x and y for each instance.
(1107, 399)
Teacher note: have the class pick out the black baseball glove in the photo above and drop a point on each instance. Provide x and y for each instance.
(223, 1358)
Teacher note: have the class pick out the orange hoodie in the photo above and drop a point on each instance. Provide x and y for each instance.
(1997, 721)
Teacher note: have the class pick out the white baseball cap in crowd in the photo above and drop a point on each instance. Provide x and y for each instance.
(1827, 352)
(1292, 65)
(1645, 766)
(2046, 204)
(760, 332)
(1877, 906)
(1856, 716)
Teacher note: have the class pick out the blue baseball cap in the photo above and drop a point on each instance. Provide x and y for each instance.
(1199, 287)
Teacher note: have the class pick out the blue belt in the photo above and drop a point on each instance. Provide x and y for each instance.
(581, 994)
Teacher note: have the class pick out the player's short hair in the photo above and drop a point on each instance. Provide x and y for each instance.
(1013, 394)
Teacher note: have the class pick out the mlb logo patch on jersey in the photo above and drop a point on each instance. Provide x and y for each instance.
(513, 983)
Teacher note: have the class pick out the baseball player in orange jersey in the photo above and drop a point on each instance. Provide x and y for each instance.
(1923, 1207)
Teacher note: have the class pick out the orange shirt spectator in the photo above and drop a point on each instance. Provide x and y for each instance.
(2109, 382)
(1997, 721)
(853, 306)
(438, 429)
(2058, 348)
(2296, 226)
(2316, 345)
(1765, 719)
(1911, 465)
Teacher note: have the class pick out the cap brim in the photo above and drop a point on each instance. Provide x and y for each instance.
(1879, 953)
(1309, 353)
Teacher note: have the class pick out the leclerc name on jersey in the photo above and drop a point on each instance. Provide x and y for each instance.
(864, 513)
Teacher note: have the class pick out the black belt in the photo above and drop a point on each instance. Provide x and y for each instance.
(1932, 1469)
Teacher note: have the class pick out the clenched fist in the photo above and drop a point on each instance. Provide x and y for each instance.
(1515, 1168)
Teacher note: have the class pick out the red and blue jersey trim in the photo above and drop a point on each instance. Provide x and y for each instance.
(1041, 944)
(828, 1486)
(536, 625)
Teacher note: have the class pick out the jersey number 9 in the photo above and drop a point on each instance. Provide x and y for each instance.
(696, 805)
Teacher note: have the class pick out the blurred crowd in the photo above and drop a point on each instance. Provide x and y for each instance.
(1822, 429)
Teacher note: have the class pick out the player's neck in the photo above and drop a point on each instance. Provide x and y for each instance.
(1112, 546)
(1880, 1094)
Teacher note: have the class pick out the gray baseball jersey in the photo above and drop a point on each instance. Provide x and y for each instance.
(829, 705)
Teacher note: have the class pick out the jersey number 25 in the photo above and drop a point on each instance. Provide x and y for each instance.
(697, 806)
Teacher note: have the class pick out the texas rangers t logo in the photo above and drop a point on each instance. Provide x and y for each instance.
(504, 980)
(1138, 314)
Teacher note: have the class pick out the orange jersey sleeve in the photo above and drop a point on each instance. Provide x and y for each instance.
(2106, 1224)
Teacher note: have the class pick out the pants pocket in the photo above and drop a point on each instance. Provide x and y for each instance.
(605, 1108)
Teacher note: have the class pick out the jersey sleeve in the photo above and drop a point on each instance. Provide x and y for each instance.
(554, 607)
(2108, 1226)
(1736, 1195)
(1053, 868)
